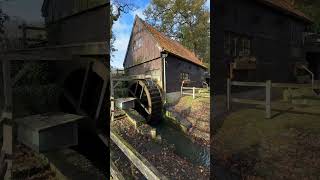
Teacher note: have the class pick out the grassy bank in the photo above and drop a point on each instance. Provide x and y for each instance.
(284, 147)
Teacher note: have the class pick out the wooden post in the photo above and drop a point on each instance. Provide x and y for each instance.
(228, 93)
(7, 144)
(193, 93)
(111, 99)
(268, 99)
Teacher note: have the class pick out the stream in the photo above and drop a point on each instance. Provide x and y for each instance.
(184, 147)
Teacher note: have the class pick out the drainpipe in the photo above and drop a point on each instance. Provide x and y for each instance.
(163, 57)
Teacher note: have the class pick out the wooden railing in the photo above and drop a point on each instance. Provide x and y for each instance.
(196, 91)
(147, 169)
(268, 88)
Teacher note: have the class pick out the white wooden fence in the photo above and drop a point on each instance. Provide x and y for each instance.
(194, 91)
(268, 88)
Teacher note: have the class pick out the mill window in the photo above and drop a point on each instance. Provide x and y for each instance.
(184, 76)
(237, 45)
(137, 43)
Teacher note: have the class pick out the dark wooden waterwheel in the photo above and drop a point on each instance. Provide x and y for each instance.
(148, 100)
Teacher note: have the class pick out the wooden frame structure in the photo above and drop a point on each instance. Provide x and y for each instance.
(194, 89)
(71, 52)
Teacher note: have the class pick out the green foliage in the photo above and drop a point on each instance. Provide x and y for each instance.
(187, 21)
(312, 9)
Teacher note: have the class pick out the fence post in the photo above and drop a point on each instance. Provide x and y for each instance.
(228, 93)
(193, 93)
(268, 99)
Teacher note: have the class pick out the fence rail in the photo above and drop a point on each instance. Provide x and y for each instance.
(195, 91)
(147, 169)
(268, 87)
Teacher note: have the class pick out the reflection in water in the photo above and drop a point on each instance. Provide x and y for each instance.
(184, 147)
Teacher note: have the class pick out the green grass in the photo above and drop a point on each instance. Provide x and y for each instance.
(269, 141)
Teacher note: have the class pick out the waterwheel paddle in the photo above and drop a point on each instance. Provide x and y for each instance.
(148, 100)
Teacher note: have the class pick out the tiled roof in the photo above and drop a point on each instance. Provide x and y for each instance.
(287, 7)
(172, 46)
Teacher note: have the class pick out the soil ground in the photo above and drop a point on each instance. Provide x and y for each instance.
(28, 165)
(160, 155)
(284, 147)
(197, 113)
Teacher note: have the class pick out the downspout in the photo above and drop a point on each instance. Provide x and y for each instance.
(163, 57)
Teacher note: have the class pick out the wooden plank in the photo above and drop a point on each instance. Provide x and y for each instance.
(103, 92)
(7, 85)
(115, 173)
(7, 147)
(187, 94)
(147, 169)
(254, 84)
(268, 99)
(293, 85)
(193, 92)
(7, 144)
(228, 94)
(247, 101)
(84, 83)
(190, 88)
(56, 53)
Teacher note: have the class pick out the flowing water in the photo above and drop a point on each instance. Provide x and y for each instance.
(184, 147)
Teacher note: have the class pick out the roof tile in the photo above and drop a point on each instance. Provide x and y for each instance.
(173, 46)
(287, 6)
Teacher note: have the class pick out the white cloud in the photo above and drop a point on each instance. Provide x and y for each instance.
(139, 12)
(120, 26)
(207, 4)
(122, 30)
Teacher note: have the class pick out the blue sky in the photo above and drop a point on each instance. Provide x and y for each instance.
(122, 30)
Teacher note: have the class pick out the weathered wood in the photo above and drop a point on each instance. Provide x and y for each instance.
(293, 85)
(7, 126)
(115, 173)
(193, 93)
(191, 88)
(45, 132)
(247, 101)
(252, 84)
(58, 53)
(228, 94)
(7, 85)
(147, 169)
(103, 92)
(268, 99)
(84, 83)
(7, 147)
(21, 73)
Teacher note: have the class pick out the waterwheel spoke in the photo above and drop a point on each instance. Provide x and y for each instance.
(135, 90)
(139, 101)
(141, 93)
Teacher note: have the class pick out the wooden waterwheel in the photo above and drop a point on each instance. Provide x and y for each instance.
(148, 100)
